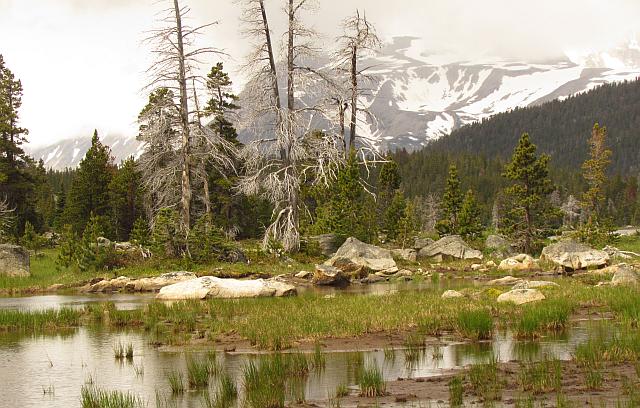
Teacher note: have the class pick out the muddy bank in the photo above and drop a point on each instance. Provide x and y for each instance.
(619, 386)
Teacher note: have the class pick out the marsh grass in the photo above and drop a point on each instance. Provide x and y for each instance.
(485, 380)
(456, 391)
(541, 377)
(608, 342)
(198, 372)
(475, 324)
(270, 381)
(341, 391)
(593, 378)
(92, 397)
(138, 369)
(176, 382)
(39, 321)
(371, 381)
(537, 319)
(226, 395)
(319, 360)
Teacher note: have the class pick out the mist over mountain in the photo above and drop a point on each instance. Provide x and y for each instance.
(418, 97)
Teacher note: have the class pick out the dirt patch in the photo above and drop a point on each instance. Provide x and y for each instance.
(619, 385)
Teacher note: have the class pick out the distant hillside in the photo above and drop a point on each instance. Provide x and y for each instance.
(559, 128)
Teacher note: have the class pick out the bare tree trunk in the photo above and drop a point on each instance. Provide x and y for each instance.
(184, 119)
(354, 99)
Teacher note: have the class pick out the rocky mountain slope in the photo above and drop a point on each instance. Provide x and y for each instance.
(418, 97)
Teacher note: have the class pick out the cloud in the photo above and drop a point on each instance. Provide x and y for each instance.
(82, 64)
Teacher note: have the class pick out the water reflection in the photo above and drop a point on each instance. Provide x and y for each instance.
(64, 362)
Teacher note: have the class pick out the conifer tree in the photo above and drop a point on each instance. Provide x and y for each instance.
(30, 239)
(594, 171)
(470, 219)
(526, 200)
(451, 204)
(69, 247)
(89, 192)
(16, 184)
(140, 232)
(347, 208)
(125, 198)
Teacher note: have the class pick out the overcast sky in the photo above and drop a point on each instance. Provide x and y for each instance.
(82, 63)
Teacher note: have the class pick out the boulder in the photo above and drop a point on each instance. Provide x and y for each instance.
(499, 246)
(303, 275)
(490, 264)
(624, 275)
(534, 285)
(109, 285)
(450, 248)
(328, 243)
(104, 242)
(14, 261)
(521, 296)
(477, 267)
(403, 272)
(373, 278)
(156, 283)
(359, 259)
(405, 254)
(329, 276)
(452, 294)
(628, 231)
(617, 253)
(212, 287)
(421, 243)
(522, 262)
(505, 281)
(572, 256)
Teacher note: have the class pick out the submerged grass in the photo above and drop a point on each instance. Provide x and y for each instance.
(38, 321)
(92, 397)
(371, 381)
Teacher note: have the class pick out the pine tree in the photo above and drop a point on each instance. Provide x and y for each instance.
(407, 225)
(125, 198)
(451, 204)
(393, 215)
(470, 219)
(346, 208)
(526, 200)
(223, 102)
(594, 172)
(69, 247)
(89, 192)
(140, 233)
(165, 237)
(390, 203)
(30, 239)
(16, 183)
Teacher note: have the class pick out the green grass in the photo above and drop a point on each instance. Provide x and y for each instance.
(475, 324)
(609, 343)
(539, 318)
(45, 272)
(371, 382)
(92, 397)
(456, 392)
(38, 321)
(540, 377)
(485, 380)
(176, 382)
(198, 372)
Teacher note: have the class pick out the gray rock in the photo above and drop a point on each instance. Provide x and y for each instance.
(534, 285)
(405, 254)
(452, 294)
(521, 262)
(373, 278)
(328, 243)
(628, 231)
(499, 246)
(572, 256)
(450, 248)
(212, 287)
(329, 276)
(421, 243)
(521, 296)
(156, 283)
(624, 275)
(505, 281)
(357, 258)
(14, 261)
(303, 275)
(403, 272)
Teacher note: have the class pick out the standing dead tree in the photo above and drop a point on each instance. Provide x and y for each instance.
(359, 39)
(277, 165)
(7, 219)
(177, 142)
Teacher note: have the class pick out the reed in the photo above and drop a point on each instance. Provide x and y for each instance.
(371, 381)
(92, 397)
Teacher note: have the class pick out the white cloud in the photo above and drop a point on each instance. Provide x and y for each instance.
(82, 64)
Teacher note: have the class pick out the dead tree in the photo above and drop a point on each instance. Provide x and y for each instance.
(176, 141)
(359, 39)
(7, 219)
(278, 164)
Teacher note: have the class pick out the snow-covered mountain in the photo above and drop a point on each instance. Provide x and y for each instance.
(419, 96)
(69, 153)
